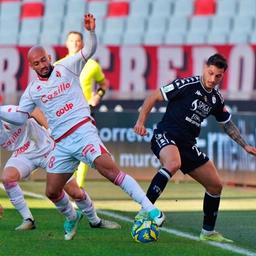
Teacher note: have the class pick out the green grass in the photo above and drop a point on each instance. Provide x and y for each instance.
(182, 204)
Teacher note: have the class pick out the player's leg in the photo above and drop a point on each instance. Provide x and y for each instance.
(208, 176)
(16, 169)
(107, 168)
(91, 151)
(85, 204)
(55, 183)
(80, 174)
(167, 152)
(170, 160)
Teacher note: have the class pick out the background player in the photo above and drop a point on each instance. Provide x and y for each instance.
(31, 145)
(91, 71)
(190, 101)
(58, 93)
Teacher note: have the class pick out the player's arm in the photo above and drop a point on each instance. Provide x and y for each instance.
(148, 104)
(77, 62)
(16, 118)
(232, 131)
(90, 45)
(38, 115)
(96, 98)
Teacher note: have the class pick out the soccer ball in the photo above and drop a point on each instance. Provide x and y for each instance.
(145, 231)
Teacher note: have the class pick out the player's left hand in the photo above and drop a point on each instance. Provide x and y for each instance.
(89, 22)
(94, 100)
(250, 150)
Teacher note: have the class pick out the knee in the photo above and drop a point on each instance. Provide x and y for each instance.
(7, 179)
(216, 188)
(51, 194)
(78, 194)
(172, 167)
(9, 176)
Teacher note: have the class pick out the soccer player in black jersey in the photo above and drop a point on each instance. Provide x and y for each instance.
(190, 101)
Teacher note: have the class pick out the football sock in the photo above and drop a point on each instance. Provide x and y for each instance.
(210, 208)
(158, 184)
(87, 207)
(17, 199)
(133, 189)
(64, 206)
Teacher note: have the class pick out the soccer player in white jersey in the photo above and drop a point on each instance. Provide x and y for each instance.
(190, 101)
(31, 145)
(57, 92)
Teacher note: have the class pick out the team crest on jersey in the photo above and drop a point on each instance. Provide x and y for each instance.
(58, 74)
(213, 99)
(205, 98)
(39, 88)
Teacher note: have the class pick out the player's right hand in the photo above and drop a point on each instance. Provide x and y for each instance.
(140, 129)
(89, 21)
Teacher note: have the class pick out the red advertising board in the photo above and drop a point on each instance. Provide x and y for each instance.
(137, 69)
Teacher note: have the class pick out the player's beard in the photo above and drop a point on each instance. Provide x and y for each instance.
(48, 74)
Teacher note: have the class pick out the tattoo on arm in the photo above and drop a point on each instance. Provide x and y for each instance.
(232, 131)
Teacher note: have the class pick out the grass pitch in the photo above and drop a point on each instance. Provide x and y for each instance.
(182, 204)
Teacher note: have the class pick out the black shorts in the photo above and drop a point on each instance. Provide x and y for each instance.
(191, 156)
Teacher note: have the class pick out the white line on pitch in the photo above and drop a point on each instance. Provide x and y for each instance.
(228, 247)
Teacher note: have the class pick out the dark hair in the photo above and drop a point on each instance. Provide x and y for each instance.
(218, 60)
(76, 33)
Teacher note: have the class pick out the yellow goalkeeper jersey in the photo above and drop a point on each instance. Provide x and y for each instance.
(91, 71)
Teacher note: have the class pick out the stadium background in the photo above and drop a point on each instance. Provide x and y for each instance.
(143, 44)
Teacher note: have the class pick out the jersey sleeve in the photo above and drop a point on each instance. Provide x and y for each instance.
(221, 113)
(172, 90)
(98, 75)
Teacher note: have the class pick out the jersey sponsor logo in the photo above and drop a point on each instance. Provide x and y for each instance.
(65, 109)
(192, 121)
(88, 148)
(201, 106)
(168, 88)
(14, 137)
(61, 89)
(23, 148)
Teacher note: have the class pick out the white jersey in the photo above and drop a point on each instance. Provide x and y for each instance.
(60, 96)
(26, 139)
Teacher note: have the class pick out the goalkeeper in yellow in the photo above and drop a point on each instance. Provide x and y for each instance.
(91, 71)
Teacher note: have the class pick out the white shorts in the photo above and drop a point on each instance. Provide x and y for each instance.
(23, 165)
(82, 145)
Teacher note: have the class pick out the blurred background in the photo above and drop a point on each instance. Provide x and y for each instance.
(143, 45)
